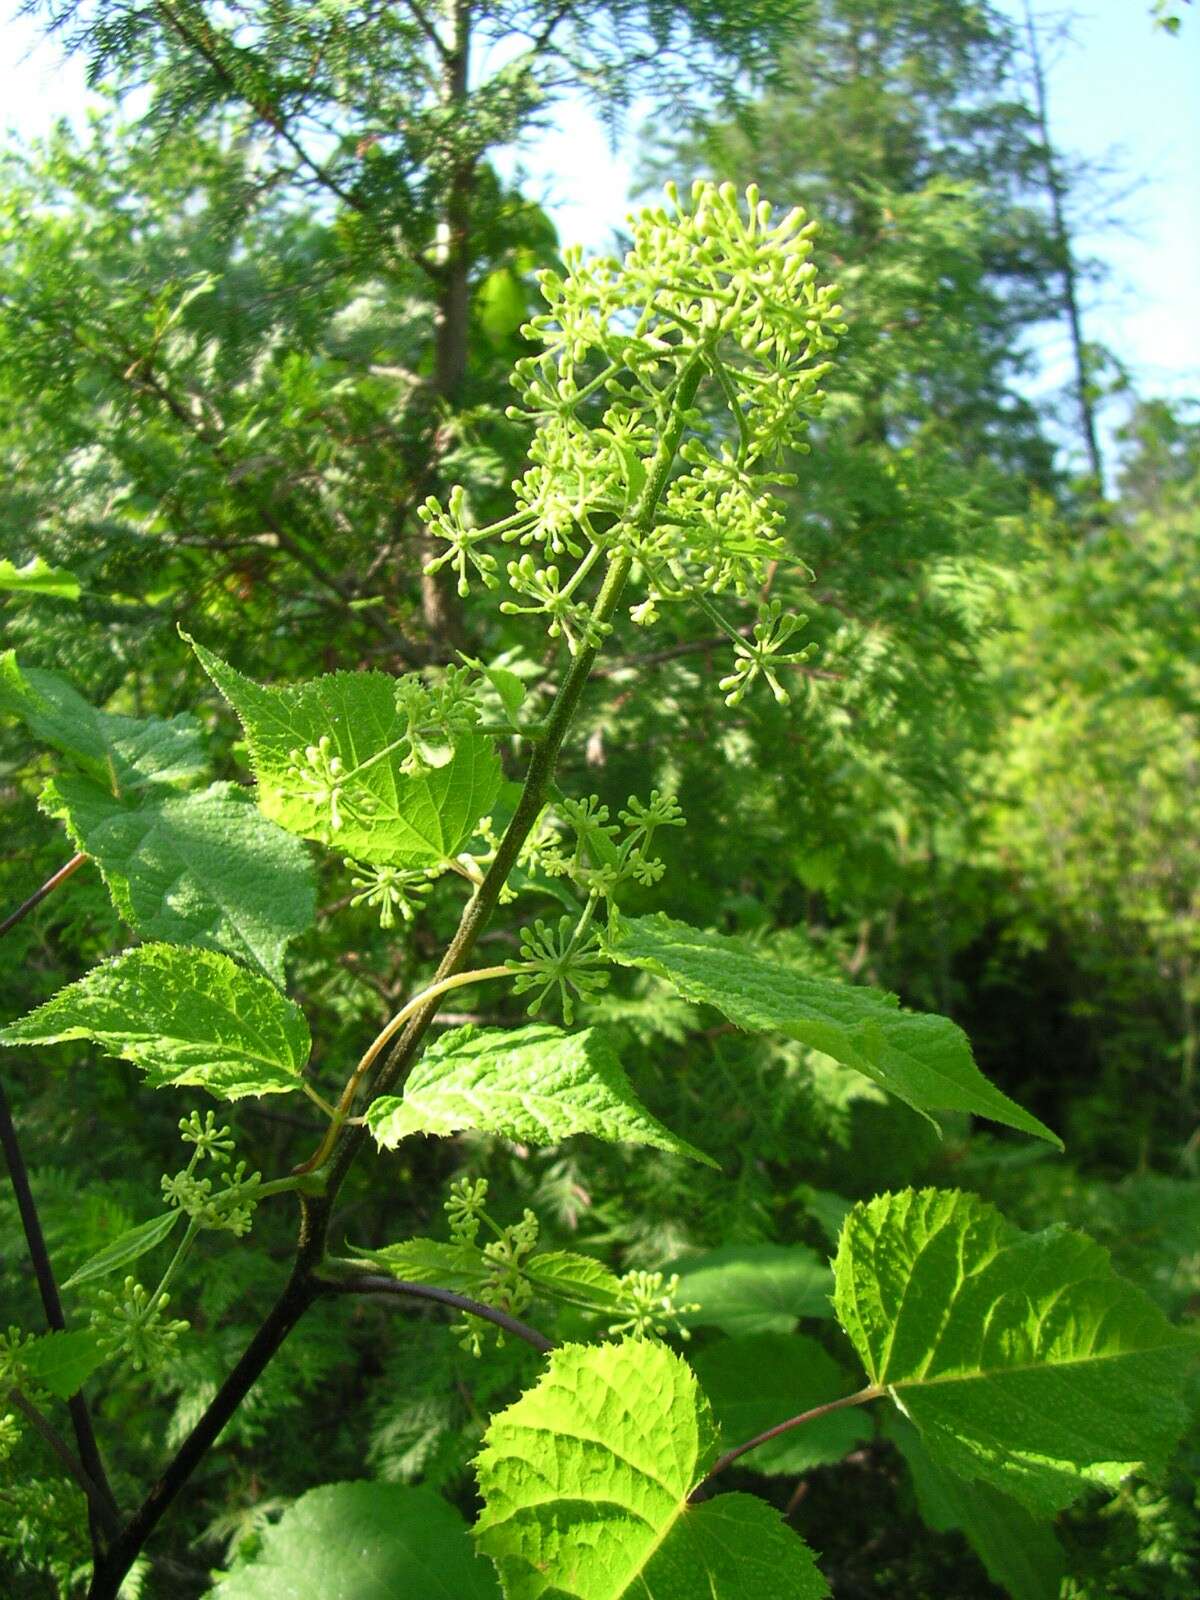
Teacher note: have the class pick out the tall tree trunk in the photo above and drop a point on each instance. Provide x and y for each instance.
(439, 602)
(1057, 191)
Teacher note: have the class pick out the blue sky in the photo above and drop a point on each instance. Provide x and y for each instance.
(1120, 89)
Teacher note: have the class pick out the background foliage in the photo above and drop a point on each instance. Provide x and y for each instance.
(249, 320)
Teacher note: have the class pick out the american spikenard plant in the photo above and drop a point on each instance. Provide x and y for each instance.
(669, 385)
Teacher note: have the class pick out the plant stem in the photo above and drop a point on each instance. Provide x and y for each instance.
(379, 1043)
(103, 1515)
(872, 1392)
(99, 1503)
(381, 1284)
(303, 1286)
(38, 895)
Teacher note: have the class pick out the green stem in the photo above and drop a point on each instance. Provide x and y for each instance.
(379, 1043)
(303, 1286)
(182, 1251)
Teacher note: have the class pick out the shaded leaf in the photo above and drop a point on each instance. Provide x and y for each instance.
(189, 1018)
(537, 1084)
(924, 1060)
(205, 868)
(62, 1362)
(1020, 1553)
(754, 1288)
(123, 754)
(1022, 1358)
(585, 1482)
(752, 1383)
(130, 1246)
(364, 1541)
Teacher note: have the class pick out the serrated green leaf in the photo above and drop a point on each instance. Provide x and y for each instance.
(205, 868)
(924, 1060)
(62, 1362)
(130, 1246)
(124, 754)
(39, 577)
(189, 1018)
(752, 1383)
(385, 816)
(585, 1482)
(536, 1084)
(1022, 1358)
(364, 1541)
(754, 1288)
(1020, 1553)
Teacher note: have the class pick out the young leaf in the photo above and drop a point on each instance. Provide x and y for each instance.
(554, 1275)
(382, 815)
(364, 1541)
(755, 1382)
(122, 753)
(39, 577)
(130, 1246)
(924, 1060)
(1020, 1553)
(754, 1288)
(578, 1280)
(189, 1018)
(204, 868)
(62, 1362)
(537, 1084)
(460, 1267)
(1022, 1358)
(585, 1483)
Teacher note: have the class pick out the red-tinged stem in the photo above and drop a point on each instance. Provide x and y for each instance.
(873, 1392)
(38, 895)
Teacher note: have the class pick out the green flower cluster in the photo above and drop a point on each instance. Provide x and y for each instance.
(714, 318)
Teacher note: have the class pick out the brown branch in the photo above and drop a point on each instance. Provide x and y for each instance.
(99, 1503)
(38, 895)
(381, 1284)
(103, 1516)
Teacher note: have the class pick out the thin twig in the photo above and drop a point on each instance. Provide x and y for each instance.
(379, 1283)
(873, 1392)
(101, 1501)
(38, 895)
(41, 1424)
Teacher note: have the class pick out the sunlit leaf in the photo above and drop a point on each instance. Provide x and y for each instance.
(585, 1484)
(189, 1018)
(536, 1084)
(924, 1060)
(1023, 1359)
